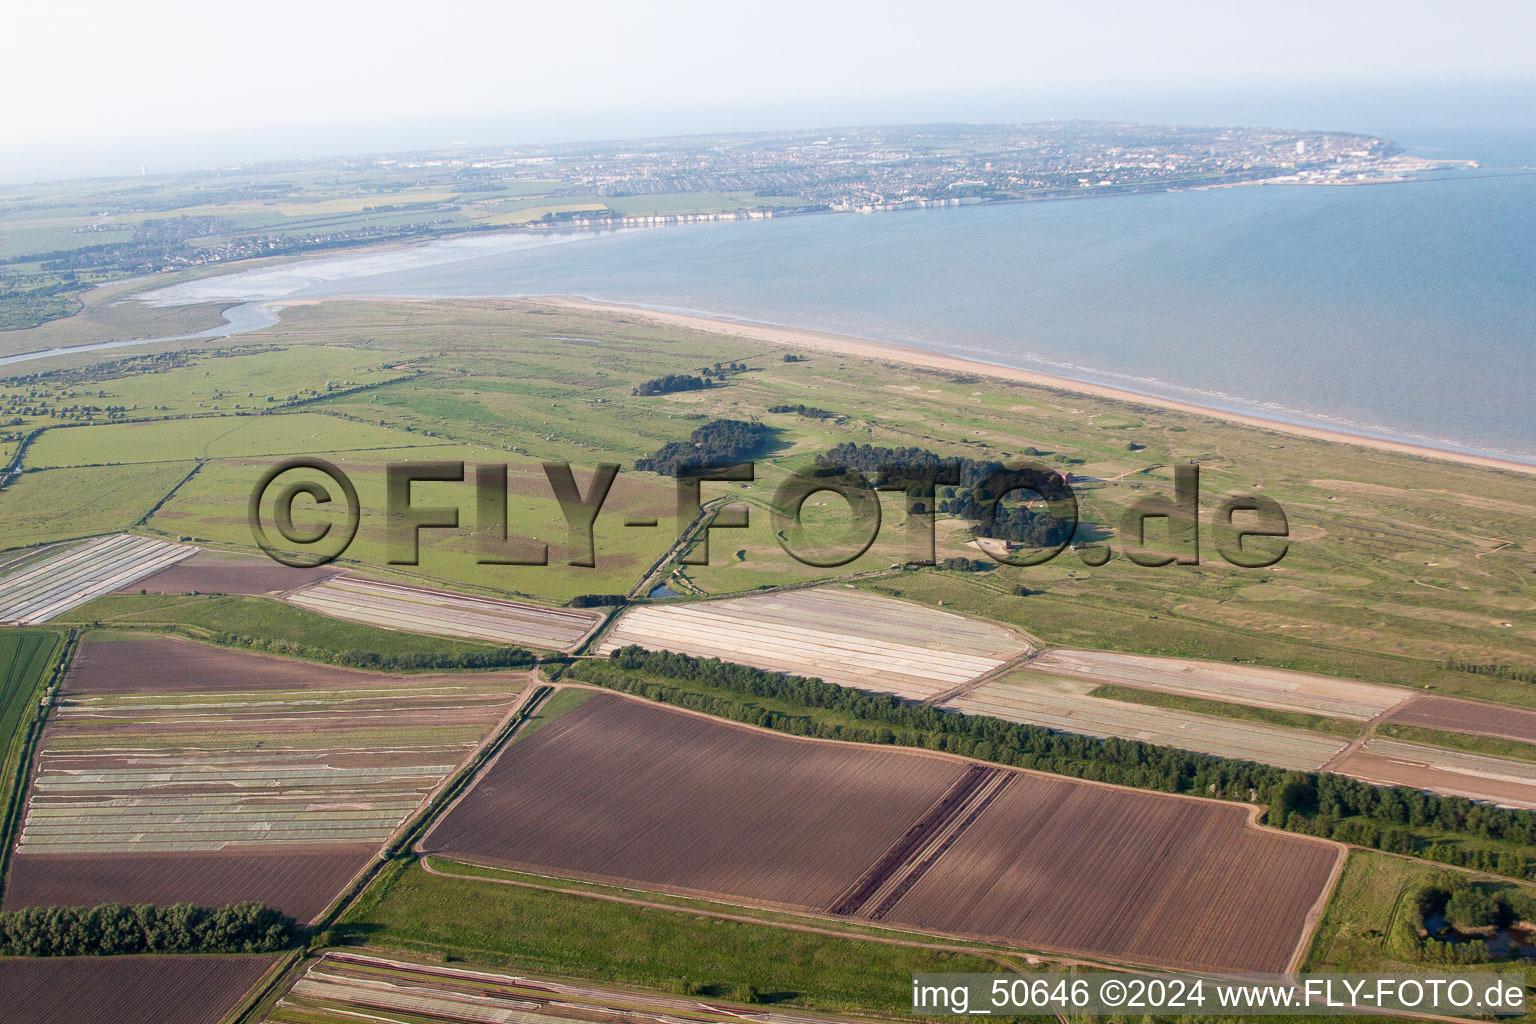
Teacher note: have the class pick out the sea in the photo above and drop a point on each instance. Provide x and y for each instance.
(1404, 311)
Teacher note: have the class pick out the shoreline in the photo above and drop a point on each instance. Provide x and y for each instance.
(824, 341)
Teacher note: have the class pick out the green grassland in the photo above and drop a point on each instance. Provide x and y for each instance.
(259, 618)
(229, 437)
(568, 935)
(59, 504)
(1354, 934)
(1398, 566)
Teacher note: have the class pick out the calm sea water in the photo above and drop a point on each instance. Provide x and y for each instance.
(1405, 311)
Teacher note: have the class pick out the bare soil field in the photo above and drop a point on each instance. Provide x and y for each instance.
(445, 613)
(172, 767)
(1455, 715)
(166, 665)
(300, 883)
(835, 634)
(1016, 697)
(1474, 776)
(1057, 864)
(624, 791)
(1240, 684)
(627, 792)
(36, 589)
(126, 989)
(224, 572)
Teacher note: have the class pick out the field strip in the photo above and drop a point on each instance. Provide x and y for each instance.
(444, 613)
(44, 589)
(1474, 776)
(1015, 701)
(1276, 689)
(844, 637)
(1454, 714)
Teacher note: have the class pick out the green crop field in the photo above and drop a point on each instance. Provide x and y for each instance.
(24, 654)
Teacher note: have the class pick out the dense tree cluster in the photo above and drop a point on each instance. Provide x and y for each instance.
(808, 411)
(112, 930)
(495, 657)
(672, 382)
(597, 600)
(718, 441)
(971, 499)
(1315, 803)
(965, 565)
(1519, 675)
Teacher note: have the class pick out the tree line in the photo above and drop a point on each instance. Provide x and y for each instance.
(1314, 803)
(112, 930)
(495, 657)
(672, 382)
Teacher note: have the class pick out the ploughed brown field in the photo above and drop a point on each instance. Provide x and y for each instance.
(1453, 715)
(173, 771)
(126, 989)
(160, 664)
(300, 883)
(624, 791)
(222, 572)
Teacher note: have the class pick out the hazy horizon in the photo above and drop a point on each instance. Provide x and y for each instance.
(177, 86)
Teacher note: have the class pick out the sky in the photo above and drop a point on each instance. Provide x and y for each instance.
(95, 84)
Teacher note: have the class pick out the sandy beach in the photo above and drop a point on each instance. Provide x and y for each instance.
(826, 342)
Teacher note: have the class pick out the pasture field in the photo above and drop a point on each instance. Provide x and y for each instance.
(928, 841)
(211, 437)
(63, 504)
(836, 634)
(165, 746)
(1027, 696)
(444, 613)
(213, 507)
(43, 588)
(1355, 932)
(127, 989)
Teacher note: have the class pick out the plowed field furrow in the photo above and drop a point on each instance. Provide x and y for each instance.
(441, 612)
(1241, 684)
(127, 989)
(1471, 716)
(1014, 701)
(72, 576)
(628, 792)
(844, 637)
(932, 821)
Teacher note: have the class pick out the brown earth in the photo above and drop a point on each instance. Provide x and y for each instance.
(165, 664)
(620, 790)
(220, 572)
(627, 792)
(1052, 863)
(1453, 715)
(298, 881)
(126, 989)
